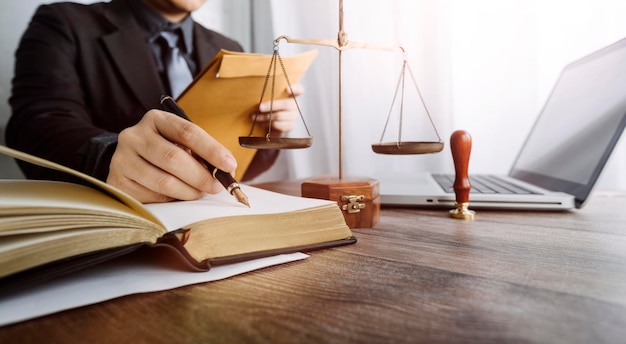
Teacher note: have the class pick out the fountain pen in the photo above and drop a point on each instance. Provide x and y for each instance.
(226, 179)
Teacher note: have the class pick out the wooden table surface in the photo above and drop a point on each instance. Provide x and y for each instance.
(418, 276)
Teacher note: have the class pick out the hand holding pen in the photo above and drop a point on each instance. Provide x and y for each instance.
(149, 165)
(225, 178)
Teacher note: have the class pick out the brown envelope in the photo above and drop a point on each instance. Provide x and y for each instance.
(223, 97)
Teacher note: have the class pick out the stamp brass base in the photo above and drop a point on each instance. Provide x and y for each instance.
(462, 212)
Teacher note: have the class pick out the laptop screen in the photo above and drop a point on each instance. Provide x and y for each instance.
(579, 126)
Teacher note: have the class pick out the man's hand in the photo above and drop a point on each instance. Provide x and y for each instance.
(284, 112)
(152, 161)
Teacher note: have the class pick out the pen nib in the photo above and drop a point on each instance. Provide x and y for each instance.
(241, 197)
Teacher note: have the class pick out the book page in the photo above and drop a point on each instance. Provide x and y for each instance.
(175, 215)
(28, 197)
(114, 192)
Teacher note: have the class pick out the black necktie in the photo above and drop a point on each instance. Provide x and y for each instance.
(176, 67)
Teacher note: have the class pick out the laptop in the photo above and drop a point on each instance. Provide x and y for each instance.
(562, 156)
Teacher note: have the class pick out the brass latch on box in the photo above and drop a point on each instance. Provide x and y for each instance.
(354, 203)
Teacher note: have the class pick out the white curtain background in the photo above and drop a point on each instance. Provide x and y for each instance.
(485, 66)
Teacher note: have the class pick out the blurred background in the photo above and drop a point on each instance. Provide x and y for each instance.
(485, 66)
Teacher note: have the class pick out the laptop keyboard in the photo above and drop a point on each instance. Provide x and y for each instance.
(486, 184)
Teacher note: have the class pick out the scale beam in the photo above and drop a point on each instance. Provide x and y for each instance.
(341, 44)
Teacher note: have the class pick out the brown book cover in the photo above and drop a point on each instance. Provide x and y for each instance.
(50, 228)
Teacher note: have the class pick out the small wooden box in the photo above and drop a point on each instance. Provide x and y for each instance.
(358, 198)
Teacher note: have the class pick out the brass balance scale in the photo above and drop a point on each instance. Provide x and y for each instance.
(357, 197)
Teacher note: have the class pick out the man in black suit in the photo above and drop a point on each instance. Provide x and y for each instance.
(87, 85)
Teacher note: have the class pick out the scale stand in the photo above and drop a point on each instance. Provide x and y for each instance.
(358, 197)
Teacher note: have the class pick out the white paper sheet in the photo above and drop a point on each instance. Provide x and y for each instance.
(113, 279)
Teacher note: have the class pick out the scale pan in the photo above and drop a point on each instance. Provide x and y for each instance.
(262, 142)
(407, 147)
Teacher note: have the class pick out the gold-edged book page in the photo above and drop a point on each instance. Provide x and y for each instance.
(227, 92)
(37, 206)
(118, 194)
(266, 232)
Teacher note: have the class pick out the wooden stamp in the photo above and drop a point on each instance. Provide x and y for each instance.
(461, 146)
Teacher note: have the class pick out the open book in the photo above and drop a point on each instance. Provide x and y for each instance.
(54, 227)
(223, 96)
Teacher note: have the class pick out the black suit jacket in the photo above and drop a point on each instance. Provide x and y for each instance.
(83, 71)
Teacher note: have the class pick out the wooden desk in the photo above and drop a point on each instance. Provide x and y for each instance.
(417, 276)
